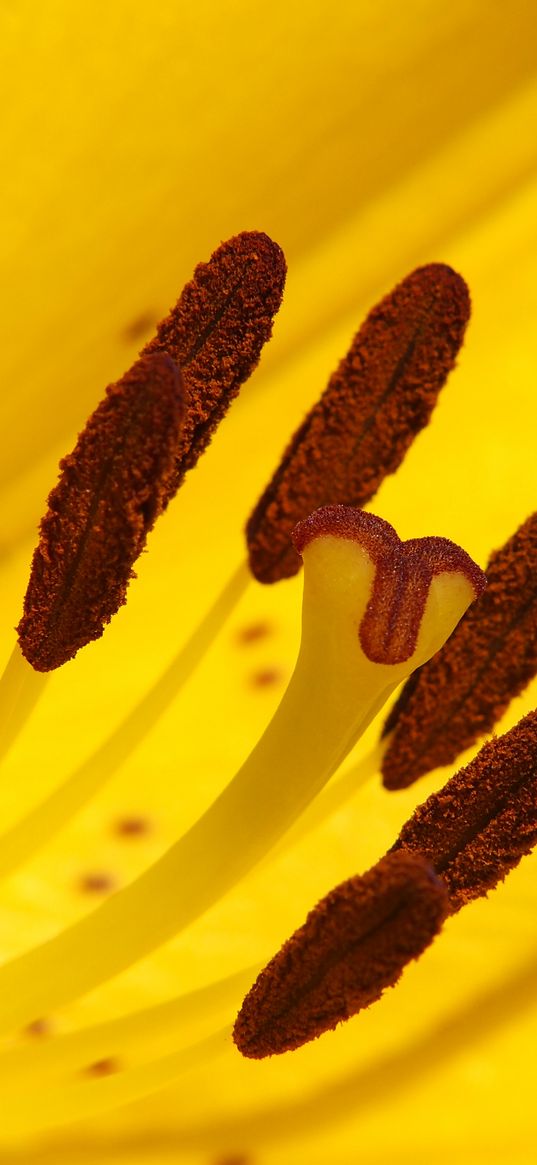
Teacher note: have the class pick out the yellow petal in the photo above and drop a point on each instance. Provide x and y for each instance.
(366, 138)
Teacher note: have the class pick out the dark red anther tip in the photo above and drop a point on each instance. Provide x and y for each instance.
(377, 401)
(353, 945)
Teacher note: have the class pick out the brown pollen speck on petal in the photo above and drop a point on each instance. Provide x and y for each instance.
(132, 827)
(354, 944)
(97, 882)
(266, 677)
(234, 1159)
(39, 1028)
(111, 490)
(380, 397)
(478, 827)
(463, 690)
(105, 1067)
(253, 633)
(217, 330)
(139, 326)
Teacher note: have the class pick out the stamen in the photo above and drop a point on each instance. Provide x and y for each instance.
(460, 694)
(380, 397)
(216, 333)
(139, 443)
(353, 944)
(333, 694)
(111, 490)
(473, 832)
(479, 826)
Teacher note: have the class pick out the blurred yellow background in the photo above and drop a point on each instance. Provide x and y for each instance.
(366, 138)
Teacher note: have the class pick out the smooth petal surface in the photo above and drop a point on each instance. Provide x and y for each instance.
(365, 139)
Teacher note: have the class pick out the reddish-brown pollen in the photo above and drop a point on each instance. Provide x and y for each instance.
(404, 572)
(354, 944)
(376, 402)
(111, 489)
(479, 826)
(217, 330)
(137, 446)
(460, 694)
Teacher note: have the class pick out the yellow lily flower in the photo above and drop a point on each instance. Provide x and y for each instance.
(366, 139)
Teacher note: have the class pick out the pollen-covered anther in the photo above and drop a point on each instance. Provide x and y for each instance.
(462, 691)
(479, 826)
(217, 330)
(380, 397)
(137, 446)
(111, 489)
(353, 945)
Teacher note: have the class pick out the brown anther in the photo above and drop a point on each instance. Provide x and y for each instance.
(380, 397)
(479, 826)
(216, 332)
(137, 446)
(404, 572)
(353, 945)
(463, 690)
(111, 489)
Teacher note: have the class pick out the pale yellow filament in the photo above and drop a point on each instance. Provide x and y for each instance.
(337, 793)
(143, 1032)
(20, 689)
(20, 842)
(88, 1096)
